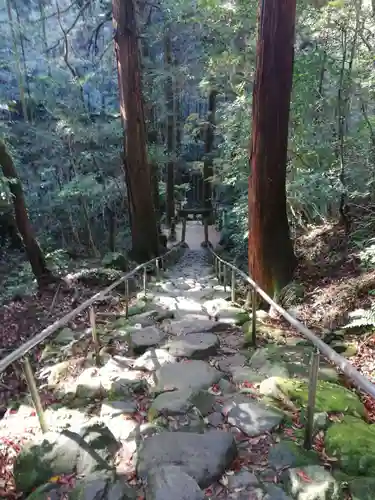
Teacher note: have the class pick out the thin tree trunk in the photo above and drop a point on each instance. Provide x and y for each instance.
(21, 83)
(271, 256)
(136, 167)
(208, 170)
(32, 248)
(171, 138)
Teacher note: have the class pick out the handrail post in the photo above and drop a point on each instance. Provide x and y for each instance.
(157, 266)
(29, 375)
(313, 382)
(254, 317)
(144, 281)
(225, 276)
(219, 271)
(126, 299)
(183, 231)
(233, 286)
(94, 334)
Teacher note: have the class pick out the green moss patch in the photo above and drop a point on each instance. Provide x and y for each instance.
(329, 398)
(352, 441)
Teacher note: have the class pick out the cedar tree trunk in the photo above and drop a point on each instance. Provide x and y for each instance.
(32, 248)
(136, 167)
(271, 256)
(209, 141)
(171, 139)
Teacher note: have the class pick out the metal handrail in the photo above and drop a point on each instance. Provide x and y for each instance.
(25, 348)
(343, 364)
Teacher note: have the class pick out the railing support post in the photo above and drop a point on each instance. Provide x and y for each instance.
(219, 271)
(254, 317)
(157, 266)
(94, 334)
(225, 277)
(29, 375)
(313, 382)
(183, 232)
(126, 299)
(144, 281)
(233, 286)
(205, 224)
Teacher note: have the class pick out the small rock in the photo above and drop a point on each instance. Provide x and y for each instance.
(82, 450)
(169, 482)
(186, 326)
(194, 345)
(242, 480)
(275, 493)
(192, 375)
(153, 359)
(215, 419)
(251, 417)
(320, 484)
(237, 360)
(111, 409)
(145, 337)
(289, 454)
(97, 488)
(202, 456)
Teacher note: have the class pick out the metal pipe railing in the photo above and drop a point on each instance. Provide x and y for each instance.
(47, 332)
(364, 384)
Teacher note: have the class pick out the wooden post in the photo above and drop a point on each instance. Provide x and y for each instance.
(205, 224)
(225, 276)
(126, 299)
(233, 286)
(254, 317)
(313, 382)
(183, 233)
(94, 334)
(144, 281)
(29, 375)
(157, 268)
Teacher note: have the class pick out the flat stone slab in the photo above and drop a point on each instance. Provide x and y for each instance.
(204, 457)
(186, 326)
(251, 417)
(194, 345)
(146, 337)
(170, 482)
(153, 359)
(180, 402)
(193, 375)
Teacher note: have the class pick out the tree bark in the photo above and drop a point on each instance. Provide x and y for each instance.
(208, 171)
(136, 167)
(171, 138)
(32, 248)
(271, 256)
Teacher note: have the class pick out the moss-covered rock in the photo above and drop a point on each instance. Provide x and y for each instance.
(290, 454)
(346, 349)
(329, 397)
(115, 260)
(268, 332)
(352, 441)
(288, 361)
(362, 488)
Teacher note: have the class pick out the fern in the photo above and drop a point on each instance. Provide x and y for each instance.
(362, 317)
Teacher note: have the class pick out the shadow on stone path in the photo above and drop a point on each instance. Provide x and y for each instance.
(178, 409)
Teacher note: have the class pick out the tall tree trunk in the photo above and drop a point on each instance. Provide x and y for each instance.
(208, 171)
(271, 256)
(32, 248)
(171, 138)
(136, 167)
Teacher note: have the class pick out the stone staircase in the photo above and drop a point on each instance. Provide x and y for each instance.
(178, 409)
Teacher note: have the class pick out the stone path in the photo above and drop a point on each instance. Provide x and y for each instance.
(179, 410)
